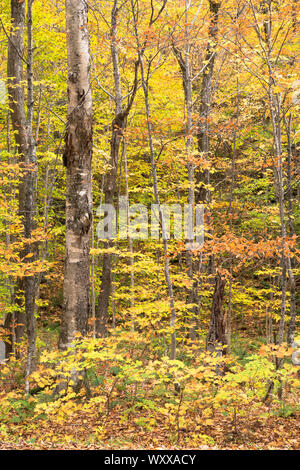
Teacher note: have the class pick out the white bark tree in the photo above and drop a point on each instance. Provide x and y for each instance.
(77, 159)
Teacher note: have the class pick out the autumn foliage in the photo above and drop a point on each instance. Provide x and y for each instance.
(193, 103)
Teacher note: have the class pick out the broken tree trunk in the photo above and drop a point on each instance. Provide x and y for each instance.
(217, 337)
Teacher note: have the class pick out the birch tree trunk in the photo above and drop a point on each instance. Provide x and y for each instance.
(77, 159)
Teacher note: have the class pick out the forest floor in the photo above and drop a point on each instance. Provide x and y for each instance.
(253, 434)
(258, 426)
(266, 427)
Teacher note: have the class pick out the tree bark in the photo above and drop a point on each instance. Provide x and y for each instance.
(291, 263)
(202, 193)
(30, 203)
(16, 322)
(217, 329)
(77, 159)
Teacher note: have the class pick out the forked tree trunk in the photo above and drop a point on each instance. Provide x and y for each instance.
(77, 159)
(266, 42)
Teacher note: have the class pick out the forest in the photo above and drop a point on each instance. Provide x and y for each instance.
(149, 212)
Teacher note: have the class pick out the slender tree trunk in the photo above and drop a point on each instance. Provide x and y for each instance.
(77, 158)
(290, 261)
(30, 184)
(185, 67)
(275, 112)
(145, 86)
(266, 44)
(111, 178)
(203, 194)
(117, 129)
(229, 313)
(9, 319)
(18, 117)
(22, 126)
(130, 242)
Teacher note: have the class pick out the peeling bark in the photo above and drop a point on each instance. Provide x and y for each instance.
(78, 157)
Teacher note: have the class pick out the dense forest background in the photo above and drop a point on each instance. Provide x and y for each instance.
(133, 341)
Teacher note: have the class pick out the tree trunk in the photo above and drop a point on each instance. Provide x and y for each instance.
(16, 322)
(203, 194)
(291, 263)
(30, 204)
(77, 159)
(184, 62)
(145, 86)
(117, 129)
(217, 328)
